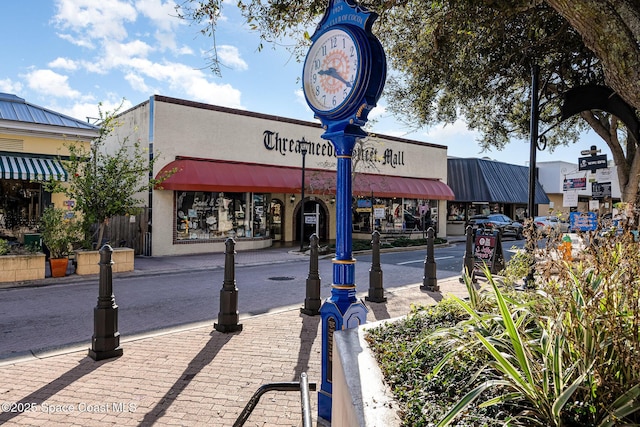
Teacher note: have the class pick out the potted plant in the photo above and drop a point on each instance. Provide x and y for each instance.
(59, 232)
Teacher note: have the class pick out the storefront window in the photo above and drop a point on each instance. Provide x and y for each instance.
(396, 214)
(456, 212)
(20, 207)
(213, 215)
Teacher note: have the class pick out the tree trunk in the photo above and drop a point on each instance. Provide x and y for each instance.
(611, 29)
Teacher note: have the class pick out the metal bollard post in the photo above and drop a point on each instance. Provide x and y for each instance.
(429, 280)
(312, 301)
(228, 315)
(468, 263)
(105, 342)
(376, 291)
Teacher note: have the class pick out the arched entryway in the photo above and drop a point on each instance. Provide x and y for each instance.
(316, 220)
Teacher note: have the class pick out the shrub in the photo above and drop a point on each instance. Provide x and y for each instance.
(564, 353)
(4, 247)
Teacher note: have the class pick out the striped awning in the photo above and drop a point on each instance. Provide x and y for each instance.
(32, 168)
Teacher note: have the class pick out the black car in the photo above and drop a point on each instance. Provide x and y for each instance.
(497, 221)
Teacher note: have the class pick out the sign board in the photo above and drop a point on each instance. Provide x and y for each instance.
(592, 162)
(605, 175)
(310, 218)
(600, 190)
(574, 184)
(364, 203)
(583, 221)
(488, 251)
(378, 213)
(570, 199)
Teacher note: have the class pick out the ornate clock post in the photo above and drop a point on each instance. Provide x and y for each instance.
(343, 77)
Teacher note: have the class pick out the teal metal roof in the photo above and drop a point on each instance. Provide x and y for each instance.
(17, 109)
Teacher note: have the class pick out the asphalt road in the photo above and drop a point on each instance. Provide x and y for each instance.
(39, 319)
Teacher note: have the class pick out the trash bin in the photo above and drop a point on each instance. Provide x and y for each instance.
(33, 240)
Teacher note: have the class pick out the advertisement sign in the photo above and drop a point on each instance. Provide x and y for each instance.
(583, 221)
(574, 184)
(600, 190)
(488, 251)
(570, 199)
(592, 162)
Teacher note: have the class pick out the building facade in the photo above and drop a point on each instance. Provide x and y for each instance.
(32, 145)
(484, 186)
(573, 190)
(234, 173)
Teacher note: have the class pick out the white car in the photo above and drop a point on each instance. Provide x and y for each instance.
(548, 223)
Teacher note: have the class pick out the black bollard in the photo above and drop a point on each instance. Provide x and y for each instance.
(376, 291)
(228, 315)
(429, 280)
(312, 301)
(105, 342)
(468, 263)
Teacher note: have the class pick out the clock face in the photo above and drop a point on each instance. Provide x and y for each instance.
(332, 71)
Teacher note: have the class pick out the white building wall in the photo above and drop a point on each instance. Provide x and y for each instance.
(188, 129)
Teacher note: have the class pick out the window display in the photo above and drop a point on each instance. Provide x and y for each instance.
(212, 215)
(393, 214)
(20, 207)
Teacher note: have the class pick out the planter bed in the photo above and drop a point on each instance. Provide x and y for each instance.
(87, 262)
(18, 268)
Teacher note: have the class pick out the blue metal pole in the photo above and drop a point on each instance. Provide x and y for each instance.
(342, 310)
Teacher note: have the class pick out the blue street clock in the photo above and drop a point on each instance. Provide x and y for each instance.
(343, 77)
(345, 68)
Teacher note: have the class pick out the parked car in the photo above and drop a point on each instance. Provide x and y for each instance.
(547, 223)
(505, 225)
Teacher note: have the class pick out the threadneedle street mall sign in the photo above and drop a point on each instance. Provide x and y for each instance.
(272, 141)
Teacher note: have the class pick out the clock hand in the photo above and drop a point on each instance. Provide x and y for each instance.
(332, 72)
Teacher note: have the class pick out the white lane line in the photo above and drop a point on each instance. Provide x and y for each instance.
(422, 260)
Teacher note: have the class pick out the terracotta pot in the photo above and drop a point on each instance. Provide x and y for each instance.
(58, 266)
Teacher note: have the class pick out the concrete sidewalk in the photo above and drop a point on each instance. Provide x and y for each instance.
(188, 376)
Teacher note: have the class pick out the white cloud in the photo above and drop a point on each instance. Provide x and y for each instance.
(378, 112)
(137, 83)
(164, 17)
(163, 14)
(47, 82)
(184, 79)
(9, 86)
(90, 19)
(78, 41)
(230, 57)
(64, 63)
(90, 111)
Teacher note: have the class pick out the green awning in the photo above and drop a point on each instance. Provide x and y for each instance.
(32, 168)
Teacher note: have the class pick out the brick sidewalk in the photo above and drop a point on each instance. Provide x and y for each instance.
(193, 376)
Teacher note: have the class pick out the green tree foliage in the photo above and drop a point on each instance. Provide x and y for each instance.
(472, 60)
(106, 181)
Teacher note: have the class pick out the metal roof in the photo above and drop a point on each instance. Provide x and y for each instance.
(17, 109)
(480, 180)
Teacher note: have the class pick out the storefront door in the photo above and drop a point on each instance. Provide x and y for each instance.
(276, 211)
(315, 221)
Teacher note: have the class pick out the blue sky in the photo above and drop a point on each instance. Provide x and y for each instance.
(70, 55)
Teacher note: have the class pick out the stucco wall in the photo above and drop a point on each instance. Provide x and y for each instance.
(188, 129)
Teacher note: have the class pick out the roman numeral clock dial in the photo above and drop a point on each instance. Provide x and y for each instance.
(332, 72)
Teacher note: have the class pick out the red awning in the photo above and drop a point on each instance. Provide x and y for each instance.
(215, 175)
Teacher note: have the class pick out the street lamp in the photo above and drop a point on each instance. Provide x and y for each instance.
(304, 146)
